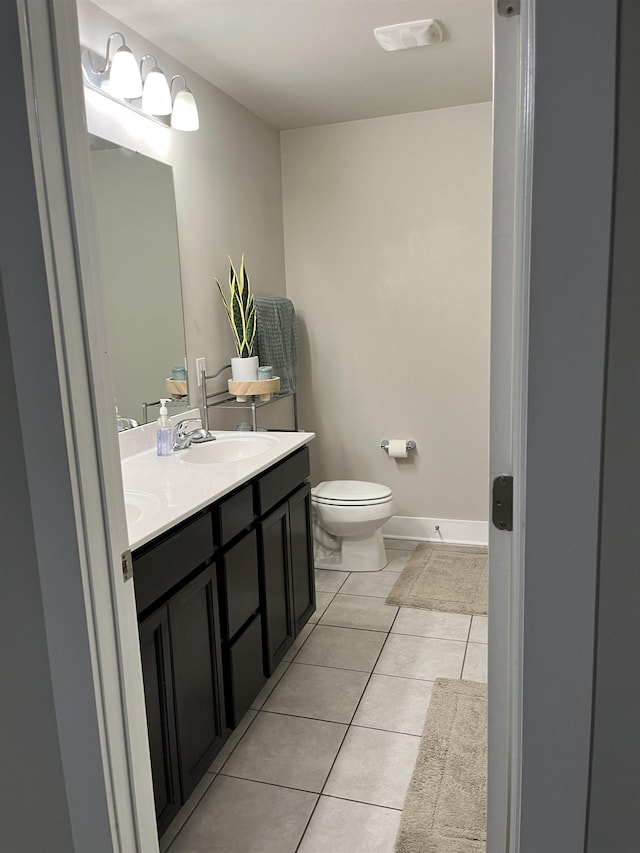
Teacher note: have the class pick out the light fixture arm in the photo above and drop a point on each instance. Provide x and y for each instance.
(175, 77)
(148, 56)
(107, 61)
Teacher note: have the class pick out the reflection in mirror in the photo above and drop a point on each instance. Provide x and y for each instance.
(138, 238)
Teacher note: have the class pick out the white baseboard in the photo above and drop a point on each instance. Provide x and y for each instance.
(450, 530)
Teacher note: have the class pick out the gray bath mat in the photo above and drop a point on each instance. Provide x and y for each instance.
(446, 806)
(452, 578)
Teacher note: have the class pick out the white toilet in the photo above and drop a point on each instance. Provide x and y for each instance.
(347, 525)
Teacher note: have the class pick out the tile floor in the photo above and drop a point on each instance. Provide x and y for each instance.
(323, 760)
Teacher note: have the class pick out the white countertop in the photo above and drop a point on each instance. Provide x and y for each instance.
(160, 492)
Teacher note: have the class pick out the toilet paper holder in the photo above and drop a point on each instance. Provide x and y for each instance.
(384, 444)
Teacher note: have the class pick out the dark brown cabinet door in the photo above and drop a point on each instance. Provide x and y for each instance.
(276, 587)
(197, 675)
(158, 693)
(301, 558)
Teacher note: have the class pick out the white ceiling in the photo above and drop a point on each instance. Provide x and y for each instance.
(298, 63)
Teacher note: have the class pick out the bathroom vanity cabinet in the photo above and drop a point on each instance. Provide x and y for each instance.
(220, 599)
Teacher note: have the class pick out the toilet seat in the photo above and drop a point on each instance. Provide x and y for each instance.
(350, 493)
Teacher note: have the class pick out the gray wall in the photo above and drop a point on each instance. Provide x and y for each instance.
(572, 188)
(614, 816)
(388, 239)
(228, 190)
(52, 780)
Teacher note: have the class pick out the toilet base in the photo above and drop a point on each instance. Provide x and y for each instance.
(355, 555)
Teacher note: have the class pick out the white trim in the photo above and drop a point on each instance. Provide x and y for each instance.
(62, 165)
(512, 155)
(452, 530)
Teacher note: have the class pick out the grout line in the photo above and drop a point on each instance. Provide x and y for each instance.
(305, 717)
(374, 630)
(271, 784)
(313, 628)
(464, 659)
(366, 671)
(349, 726)
(191, 813)
(240, 739)
(361, 802)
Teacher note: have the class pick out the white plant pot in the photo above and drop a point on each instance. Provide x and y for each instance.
(244, 369)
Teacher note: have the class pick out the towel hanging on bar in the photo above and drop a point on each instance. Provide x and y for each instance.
(277, 338)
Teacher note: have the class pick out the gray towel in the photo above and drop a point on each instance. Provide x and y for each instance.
(277, 338)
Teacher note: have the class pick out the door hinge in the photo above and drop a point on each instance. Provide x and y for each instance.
(502, 505)
(508, 8)
(127, 566)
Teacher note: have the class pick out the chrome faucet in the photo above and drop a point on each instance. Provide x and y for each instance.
(123, 423)
(184, 438)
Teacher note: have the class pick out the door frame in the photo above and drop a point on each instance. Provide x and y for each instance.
(50, 46)
(514, 50)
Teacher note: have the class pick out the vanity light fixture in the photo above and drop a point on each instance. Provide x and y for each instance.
(156, 97)
(124, 80)
(120, 80)
(185, 112)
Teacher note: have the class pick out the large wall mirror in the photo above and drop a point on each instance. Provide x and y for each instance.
(138, 239)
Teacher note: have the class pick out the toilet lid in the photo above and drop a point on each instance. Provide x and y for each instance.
(350, 491)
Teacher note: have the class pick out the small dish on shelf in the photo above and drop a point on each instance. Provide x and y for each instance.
(262, 388)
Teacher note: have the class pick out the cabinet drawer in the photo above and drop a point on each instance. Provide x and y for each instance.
(246, 675)
(165, 564)
(276, 484)
(241, 597)
(233, 514)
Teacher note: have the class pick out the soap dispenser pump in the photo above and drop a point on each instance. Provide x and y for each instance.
(164, 439)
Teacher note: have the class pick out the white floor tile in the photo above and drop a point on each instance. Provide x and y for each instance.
(319, 692)
(432, 623)
(475, 663)
(397, 559)
(479, 629)
(284, 750)
(261, 698)
(342, 826)
(401, 544)
(240, 816)
(377, 584)
(233, 741)
(299, 641)
(329, 581)
(323, 600)
(421, 657)
(185, 812)
(394, 704)
(359, 611)
(345, 648)
(374, 767)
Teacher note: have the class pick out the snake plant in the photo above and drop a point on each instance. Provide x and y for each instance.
(241, 309)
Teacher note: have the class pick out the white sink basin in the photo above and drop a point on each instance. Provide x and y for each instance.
(235, 449)
(135, 504)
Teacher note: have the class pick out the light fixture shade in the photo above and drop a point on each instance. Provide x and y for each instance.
(124, 75)
(185, 111)
(156, 97)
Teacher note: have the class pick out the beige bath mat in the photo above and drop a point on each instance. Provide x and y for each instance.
(452, 578)
(446, 806)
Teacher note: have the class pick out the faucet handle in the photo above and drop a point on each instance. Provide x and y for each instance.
(180, 427)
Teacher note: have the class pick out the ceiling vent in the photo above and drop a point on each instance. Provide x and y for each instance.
(411, 34)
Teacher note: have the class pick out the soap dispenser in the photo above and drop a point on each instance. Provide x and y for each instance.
(164, 440)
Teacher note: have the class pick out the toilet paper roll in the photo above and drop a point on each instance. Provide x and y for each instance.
(398, 448)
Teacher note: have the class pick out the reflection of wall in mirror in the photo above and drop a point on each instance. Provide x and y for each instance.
(135, 212)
